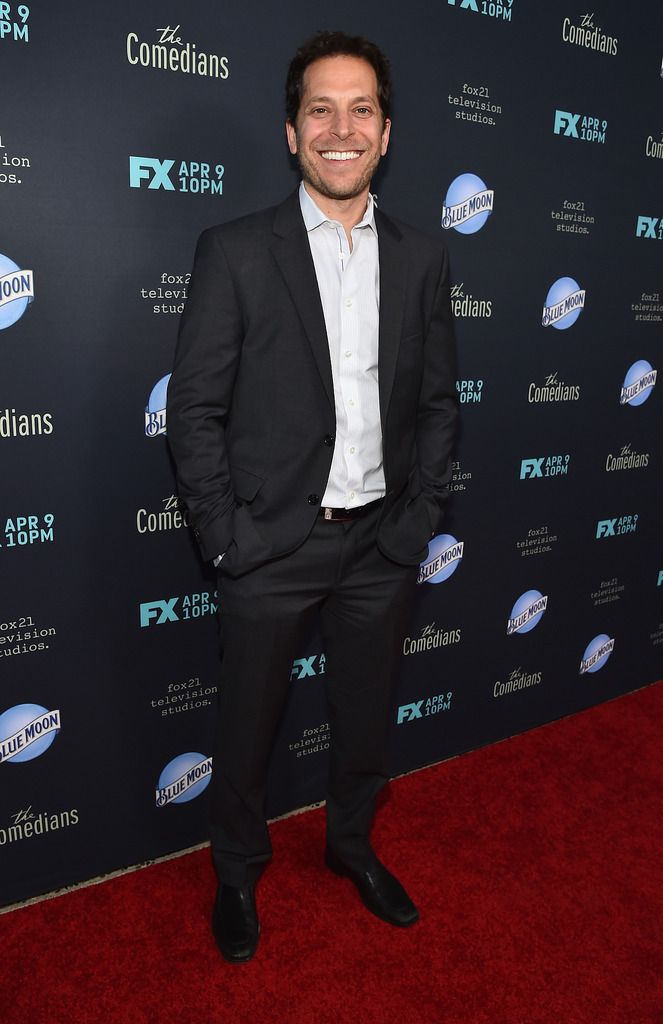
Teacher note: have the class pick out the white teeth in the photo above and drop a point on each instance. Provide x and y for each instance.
(335, 154)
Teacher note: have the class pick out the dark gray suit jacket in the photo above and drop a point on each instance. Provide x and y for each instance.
(250, 415)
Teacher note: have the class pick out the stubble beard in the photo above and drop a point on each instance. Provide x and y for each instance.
(348, 191)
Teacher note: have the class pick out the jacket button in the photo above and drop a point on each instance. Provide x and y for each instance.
(313, 499)
(328, 439)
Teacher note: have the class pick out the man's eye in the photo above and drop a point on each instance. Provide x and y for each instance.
(362, 110)
(319, 110)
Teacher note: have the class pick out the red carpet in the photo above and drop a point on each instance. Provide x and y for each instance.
(536, 864)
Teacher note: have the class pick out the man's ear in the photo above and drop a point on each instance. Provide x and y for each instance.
(291, 135)
(385, 136)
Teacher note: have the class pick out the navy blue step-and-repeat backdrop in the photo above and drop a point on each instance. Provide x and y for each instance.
(528, 138)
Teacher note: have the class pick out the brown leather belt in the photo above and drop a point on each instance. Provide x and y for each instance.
(344, 515)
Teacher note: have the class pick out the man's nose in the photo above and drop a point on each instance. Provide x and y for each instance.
(341, 125)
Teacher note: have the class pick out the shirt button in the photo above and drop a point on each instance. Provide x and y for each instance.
(313, 499)
(348, 302)
(352, 494)
(348, 354)
(351, 401)
(352, 451)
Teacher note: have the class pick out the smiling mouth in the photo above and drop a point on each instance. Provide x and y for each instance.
(340, 154)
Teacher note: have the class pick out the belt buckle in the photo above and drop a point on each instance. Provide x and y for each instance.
(329, 513)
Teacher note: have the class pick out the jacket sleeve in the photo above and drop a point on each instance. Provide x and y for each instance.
(437, 413)
(200, 394)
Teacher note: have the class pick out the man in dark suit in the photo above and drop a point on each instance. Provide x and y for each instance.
(311, 415)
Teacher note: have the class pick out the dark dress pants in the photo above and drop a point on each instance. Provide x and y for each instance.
(362, 600)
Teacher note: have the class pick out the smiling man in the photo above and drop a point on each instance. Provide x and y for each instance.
(339, 132)
(311, 415)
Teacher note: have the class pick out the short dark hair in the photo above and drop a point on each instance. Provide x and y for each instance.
(335, 44)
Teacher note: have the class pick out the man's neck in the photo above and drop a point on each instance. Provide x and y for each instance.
(348, 212)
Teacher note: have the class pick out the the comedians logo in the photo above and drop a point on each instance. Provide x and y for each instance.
(586, 33)
(527, 612)
(173, 516)
(190, 176)
(25, 824)
(547, 465)
(155, 410)
(424, 708)
(467, 306)
(501, 9)
(171, 53)
(564, 303)
(596, 653)
(653, 148)
(552, 390)
(579, 126)
(17, 291)
(192, 606)
(445, 554)
(431, 638)
(468, 204)
(24, 424)
(183, 779)
(616, 527)
(518, 679)
(626, 458)
(26, 731)
(638, 383)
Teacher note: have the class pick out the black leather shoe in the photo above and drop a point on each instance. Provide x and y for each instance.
(235, 923)
(380, 892)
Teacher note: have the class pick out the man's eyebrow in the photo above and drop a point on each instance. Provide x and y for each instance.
(329, 99)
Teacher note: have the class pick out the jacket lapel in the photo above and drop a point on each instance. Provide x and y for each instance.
(292, 253)
(393, 277)
(293, 258)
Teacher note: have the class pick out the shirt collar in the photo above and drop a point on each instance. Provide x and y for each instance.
(314, 217)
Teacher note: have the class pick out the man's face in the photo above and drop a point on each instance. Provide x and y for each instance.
(340, 133)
